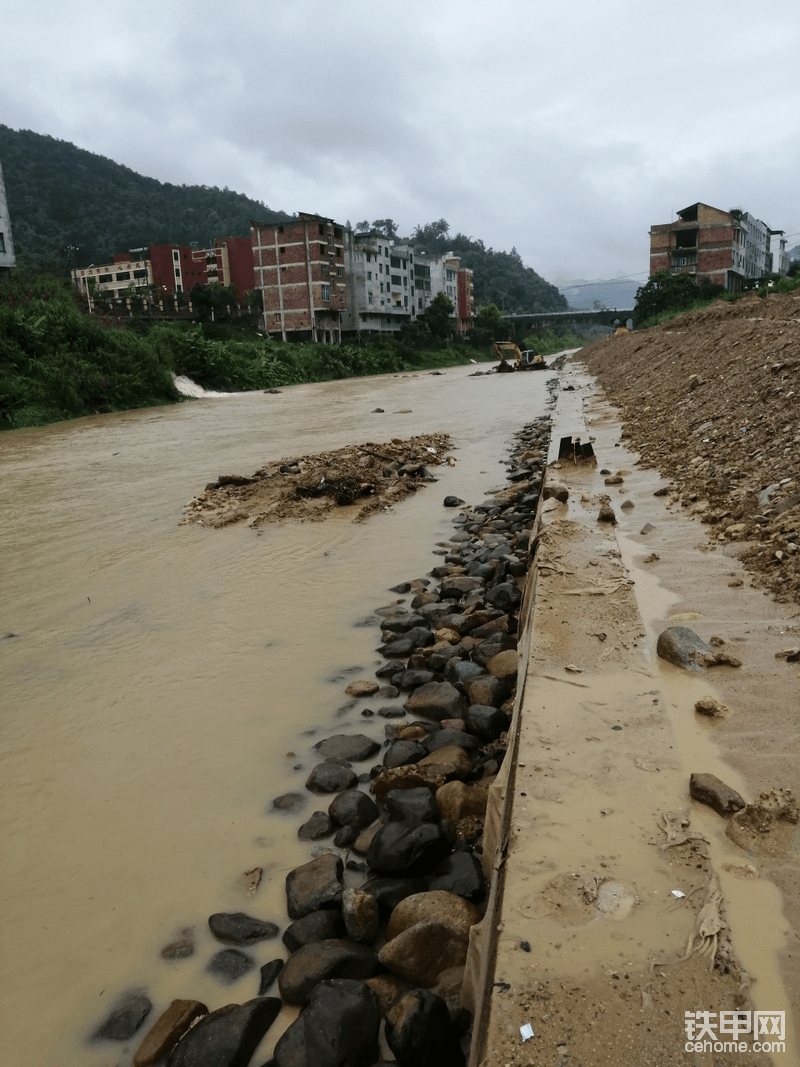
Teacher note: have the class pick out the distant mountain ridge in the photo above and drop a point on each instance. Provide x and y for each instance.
(61, 197)
(583, 294)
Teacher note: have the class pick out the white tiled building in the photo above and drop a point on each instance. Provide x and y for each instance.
(7, 258)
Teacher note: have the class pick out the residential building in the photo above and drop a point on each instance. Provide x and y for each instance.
(724, 247)
(466, 300)
(7, 258)
(172, 269)
(300, 270)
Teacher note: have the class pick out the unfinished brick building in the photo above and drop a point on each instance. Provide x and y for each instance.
(299, 268)
(723, 247)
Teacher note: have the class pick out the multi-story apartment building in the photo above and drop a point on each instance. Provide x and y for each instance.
(171, 269)
(724, 247)
(390, 284)
(466, 300)
(300, 270)
(7, 258)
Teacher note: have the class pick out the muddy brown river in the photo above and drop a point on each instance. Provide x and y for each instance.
(155, 676)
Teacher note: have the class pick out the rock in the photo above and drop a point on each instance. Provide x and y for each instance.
(182, 948)
(409, 776)
(458, 801)
(168, 1030)
(362, 688)
(393, 711)
(452, 501)
(412, 805)
(504, 596)
(364, 839)
(606, 513)
(339, 1028)
(422, 951)
(443, 738)
(627, 505)
(420, 1034)
(455, 586)
(399, 624)
(460, 671)
(353, 808)
(449, 909)
(331, 778)
(269, 972)
(236, 928)
(710, 706)
(648, 526)
(708, 789)
(314, 885)
(614, 479)
(504, 665)
(460, 873)
(323, 925)
(388, 892)
(387, 988)
(352, 747)
(409, 680)
(230, 964)
(486, 721)
(415, 732)
(556, 492)
(451, 761)
(386, 692)
(488, 649)
(125, 1018)
(402, 752)
(345, 836)
(250, 880)
(320, 961)
(437, 700)
(319, 825)
(682, 646)
(289, 802)
(408, 848)
(360, 914)
(488, 690)
(227, 1037)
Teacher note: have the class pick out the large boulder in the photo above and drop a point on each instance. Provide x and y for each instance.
(408, 776)
(361, 915)
(445, 737)
(412, 805)
(457, 801)
(419, 1032)
(236, 928)
(322, 960)
(388, 891)
(504, 664)
(339, 1028)
(422, 951)
(504, 596)
(331, 778)
(227, 1037)
(125, 1018)
(488, 690)
(324, 925)
(353, 808)
(167, 1031)
(486, 721)
(413, 678)
(437, 700)
(314, 885)
(449, 909)
(682, 646)
(407, 847)
(452, 761)
(402, 752)
(353, 747)
(459, 671)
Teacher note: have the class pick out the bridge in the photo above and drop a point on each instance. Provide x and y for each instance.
(523, 325)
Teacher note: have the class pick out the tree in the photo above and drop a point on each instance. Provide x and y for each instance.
(665, 292)
(362, 227)
(212, 303)
(438, 318)
(431, 232)
(489, 326)
(386, 227)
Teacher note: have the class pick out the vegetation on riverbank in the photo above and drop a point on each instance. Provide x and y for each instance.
(666, 295)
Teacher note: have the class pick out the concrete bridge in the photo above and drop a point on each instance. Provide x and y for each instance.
(523, 325)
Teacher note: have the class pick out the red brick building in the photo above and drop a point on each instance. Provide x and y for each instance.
(299, 268)
(724, 247)
(465, 304)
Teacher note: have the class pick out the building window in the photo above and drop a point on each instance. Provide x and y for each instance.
(179, 288)
(2, 242)
(369, 297)
(123, 275)
(280, 229)
(277, 316)
(325, 270)
(381, 286)
(283, 250)
(140, 274)
(326, 292)
(176, 255)
(405, 301)
(177, 272)
(369, 275)
(380, 268)
(337, 231)
(340, 272)
(321, 229)
(395, 279)
(103, 278)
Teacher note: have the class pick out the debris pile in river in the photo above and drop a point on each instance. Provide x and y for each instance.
(381, 913)
(711, 400)
(370, 476)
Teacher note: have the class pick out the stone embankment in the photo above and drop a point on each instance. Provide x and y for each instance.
(380, 915)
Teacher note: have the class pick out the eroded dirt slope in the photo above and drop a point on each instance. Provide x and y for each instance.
(712, 400)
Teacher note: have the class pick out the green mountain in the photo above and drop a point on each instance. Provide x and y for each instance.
(61, 197)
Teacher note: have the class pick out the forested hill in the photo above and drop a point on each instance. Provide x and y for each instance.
(60, 196)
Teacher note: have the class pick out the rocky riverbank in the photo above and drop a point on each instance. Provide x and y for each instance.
(711, 400)
(380, 914)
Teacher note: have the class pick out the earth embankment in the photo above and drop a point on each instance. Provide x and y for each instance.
(710, 399)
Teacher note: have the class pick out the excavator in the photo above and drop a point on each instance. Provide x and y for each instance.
(527, 360)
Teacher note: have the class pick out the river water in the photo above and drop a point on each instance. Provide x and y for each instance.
(155, 676)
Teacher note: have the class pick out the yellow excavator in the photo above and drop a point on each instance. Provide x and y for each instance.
(527, 360)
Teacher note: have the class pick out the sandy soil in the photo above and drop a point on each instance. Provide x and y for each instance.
(711, 399)
(367, 478)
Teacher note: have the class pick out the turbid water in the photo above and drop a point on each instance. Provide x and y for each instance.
(155, 676)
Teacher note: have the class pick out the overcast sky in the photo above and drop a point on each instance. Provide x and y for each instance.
(564, 128)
